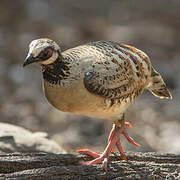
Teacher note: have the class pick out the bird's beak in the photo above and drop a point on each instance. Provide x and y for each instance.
(29, 60)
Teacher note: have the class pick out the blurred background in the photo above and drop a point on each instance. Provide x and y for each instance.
(152, 26)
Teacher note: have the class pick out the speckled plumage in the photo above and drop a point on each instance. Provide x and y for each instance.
(99, 79)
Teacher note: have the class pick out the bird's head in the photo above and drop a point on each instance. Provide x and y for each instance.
(42, 51)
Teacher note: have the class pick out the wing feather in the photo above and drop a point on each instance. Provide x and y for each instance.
(120, 71)
(109, 84)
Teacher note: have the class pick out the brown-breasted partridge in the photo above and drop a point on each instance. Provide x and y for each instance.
(98, 79)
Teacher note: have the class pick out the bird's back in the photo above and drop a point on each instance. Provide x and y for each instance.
(111, 70)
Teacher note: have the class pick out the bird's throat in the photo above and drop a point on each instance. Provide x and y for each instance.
(55, 72)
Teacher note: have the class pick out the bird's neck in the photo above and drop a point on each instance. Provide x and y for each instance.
(57, 71)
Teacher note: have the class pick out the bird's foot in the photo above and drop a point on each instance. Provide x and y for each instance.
(113, 140)
(98, 158)
(103, 158)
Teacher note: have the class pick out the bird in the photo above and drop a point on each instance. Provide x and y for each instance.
(98, 79)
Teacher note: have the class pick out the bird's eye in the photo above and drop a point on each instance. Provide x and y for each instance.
(46, 54)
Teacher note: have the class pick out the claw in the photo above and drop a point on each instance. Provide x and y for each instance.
(128, 124)
(112, 150)
(104, 163)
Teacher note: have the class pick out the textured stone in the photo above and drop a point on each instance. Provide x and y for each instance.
(18, 139)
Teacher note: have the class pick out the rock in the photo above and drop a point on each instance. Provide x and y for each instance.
(43, 166)
(18, 139)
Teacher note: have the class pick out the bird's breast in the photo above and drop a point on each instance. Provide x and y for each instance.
(76, 99)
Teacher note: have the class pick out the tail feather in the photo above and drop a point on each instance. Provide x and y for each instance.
(157, 86)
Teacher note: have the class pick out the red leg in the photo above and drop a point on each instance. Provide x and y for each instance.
(93, 154)
(128, 124)
(105, 155)
(88, 152)
(111, 134)
(119, 147)
(113, 140)
(129, 138)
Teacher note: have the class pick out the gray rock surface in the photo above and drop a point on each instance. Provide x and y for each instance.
(17, 139)
(43, 166)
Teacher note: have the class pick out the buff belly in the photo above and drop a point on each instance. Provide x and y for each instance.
(78, 100)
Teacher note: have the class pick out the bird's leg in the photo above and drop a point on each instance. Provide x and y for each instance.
(113, 140)
(119, 147)
(111, 134)
(88, 152)
(118, 144)
(114, 136)
(93, 154)
(130, 139)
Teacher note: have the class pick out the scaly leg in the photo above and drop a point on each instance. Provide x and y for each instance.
(92, 153)
(113, 140)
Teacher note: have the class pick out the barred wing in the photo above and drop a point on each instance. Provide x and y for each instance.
(124, 71)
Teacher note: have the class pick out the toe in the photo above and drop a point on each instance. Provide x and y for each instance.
(128, 124)
(131, 140)
(88, 152)
(104, 163)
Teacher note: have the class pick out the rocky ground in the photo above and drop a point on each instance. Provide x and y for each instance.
(152, 26)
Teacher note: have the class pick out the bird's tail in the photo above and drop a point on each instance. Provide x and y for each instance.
(157, 86)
